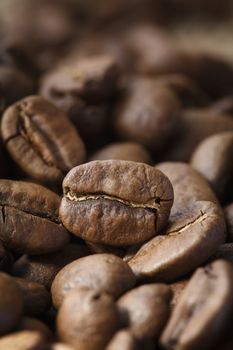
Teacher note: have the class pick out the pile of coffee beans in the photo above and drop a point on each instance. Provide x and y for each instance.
(116, 188)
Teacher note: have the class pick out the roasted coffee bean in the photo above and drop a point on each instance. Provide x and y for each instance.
(196, 125)
(43, 268)
(148, 114)
(123, 339)
(213, 158)
(99, 206)
(41, 139)
(188, 185)
(87, 319)
(105, 273)
(93, 79)
(33, 324)
(11, 303)
(145, 310)
(14, 84)
(191, 237)
(188, 92)
(24, 340)
(36, 298)
(29, 220)
(228, 210)
(203, 309)
(131, 151)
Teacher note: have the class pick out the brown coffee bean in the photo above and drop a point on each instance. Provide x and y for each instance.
(145, 310)
(191, 237)
(87, 319)
(29, 220)
(213, 158)
(228, 210)
(203, 309)
(14, 84)
(148, 114)
(188, 92)
(43, 268)
(105, 273)
(33, 324)
(11, 303)
(131, 151)
(24, 340)
(41, 139)
(93, 79)
(188, 185)
(102, 208)
(123, 339)
(36, 298)
(196, 125)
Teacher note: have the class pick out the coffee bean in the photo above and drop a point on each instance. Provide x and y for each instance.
(43, 268)
(33, 324)
(36, 298)
(196, 125)
(123, 339)
(30, 340)
(87, 319)
(148, 114)
(145, 310)
(91, 78)
(203, 309)
(29, 220)
(102, 208)
(105, 273)
(213, 158)
(131, 151)
(190, 239)
(11, 303)
(41, 139)
(188, 185)
(228, 210)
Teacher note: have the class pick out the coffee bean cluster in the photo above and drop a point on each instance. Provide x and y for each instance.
(116, 188)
